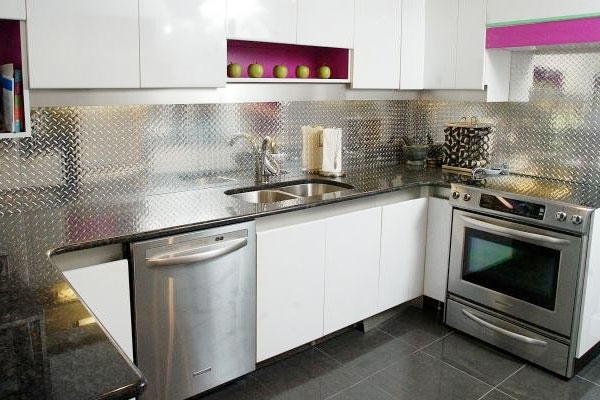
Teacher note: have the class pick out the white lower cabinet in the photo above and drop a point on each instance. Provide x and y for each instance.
(403, 236)
(439, 227)
(351, 268)
(105, 290)
(290, 273)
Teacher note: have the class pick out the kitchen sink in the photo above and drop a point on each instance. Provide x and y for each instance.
(263, 196)
(314, 189)
(288, 191)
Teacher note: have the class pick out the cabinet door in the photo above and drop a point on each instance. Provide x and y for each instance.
(437, 253)
(441, 26)
(290, 273)
(504, 12)
(113, 311)
(328, 23)
(83, 44)
(351, 268)
(12, 9)
(470, 46)
(182, 43)
(413, 45)
(262, 20)
(403, 235)
(377, 41)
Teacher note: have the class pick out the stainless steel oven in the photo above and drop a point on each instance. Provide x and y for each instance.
(527, 272)
(514, 272)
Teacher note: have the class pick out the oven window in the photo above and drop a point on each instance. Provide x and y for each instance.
(518, 269)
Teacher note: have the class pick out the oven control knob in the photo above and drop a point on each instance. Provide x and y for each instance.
(561, 216)
(576, 219)
(466, 197)
(456, 195)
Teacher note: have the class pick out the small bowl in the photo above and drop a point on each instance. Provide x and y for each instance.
(416, 154)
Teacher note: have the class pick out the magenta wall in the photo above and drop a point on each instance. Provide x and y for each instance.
(584, 30)
(271, 54)
(10, 42)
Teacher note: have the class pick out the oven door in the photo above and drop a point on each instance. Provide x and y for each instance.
(525, 272)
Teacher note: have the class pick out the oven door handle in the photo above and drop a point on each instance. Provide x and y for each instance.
(505, 332)
(515, 233)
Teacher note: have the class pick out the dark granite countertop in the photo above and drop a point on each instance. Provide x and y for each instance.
(49, 355)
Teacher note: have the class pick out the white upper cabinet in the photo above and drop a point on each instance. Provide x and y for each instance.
(326, 23)
(441, 26)
(403, 236)
(351, 268)
(511, 11)
(443, 44)
(470, 45)
(377, 38)
(262, 20)
(182, 43)
(12, 9)
(83, 43)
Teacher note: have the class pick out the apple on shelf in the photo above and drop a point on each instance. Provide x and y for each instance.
(234, 70)
(255, 70)
(302, 71)
(280, 71)
(324, 72)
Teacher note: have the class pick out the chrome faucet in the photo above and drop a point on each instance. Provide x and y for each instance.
(265, 165)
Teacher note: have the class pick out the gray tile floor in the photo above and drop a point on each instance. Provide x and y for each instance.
(412, 356)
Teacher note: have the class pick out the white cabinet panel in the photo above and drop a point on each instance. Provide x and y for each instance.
(439, 227)
(12, 9)
(413, 45)
(503, 11)
(377, 42)
(441, 27)
(290, 274)
(105, 290)
(262, 20)
(470, 46)
(403, 236)
(182, 43)
(328, 23)
(351, 268)
(83, 43)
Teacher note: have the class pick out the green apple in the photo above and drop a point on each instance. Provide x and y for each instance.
(255, 70)
(234, 70)
(302, 71)
(280, 71)
(324, 72)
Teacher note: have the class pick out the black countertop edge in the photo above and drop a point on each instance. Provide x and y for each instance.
(126, 392)
(174, 230)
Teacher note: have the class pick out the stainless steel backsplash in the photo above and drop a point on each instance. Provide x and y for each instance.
(119, 152)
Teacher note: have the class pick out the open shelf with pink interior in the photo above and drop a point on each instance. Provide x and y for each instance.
(272, 54)
(13, 50)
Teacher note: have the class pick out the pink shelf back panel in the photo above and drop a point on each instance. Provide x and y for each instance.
(10, 42)
(584, 30)
(271, 54)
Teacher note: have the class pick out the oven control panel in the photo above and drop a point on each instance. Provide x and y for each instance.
(530, 209)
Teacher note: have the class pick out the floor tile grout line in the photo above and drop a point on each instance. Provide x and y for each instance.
(435, 341)
(341, 364)
(497, 387)
(458, 369)
(485, 394)
(587, 380)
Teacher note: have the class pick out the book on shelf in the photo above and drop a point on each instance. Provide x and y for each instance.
(13, 114)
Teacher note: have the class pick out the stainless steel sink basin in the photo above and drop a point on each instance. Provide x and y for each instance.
(313, 189)
(288, 191)
(264, 196)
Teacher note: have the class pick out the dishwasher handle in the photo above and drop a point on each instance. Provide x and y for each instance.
(196, 255)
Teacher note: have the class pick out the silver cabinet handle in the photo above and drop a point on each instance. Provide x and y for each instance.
(515, 233)
(192, 256)
(505, 332)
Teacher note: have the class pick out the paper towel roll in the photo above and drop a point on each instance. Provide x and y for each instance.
(332, 150)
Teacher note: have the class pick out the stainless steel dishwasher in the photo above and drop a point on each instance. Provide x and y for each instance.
(195, 309)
